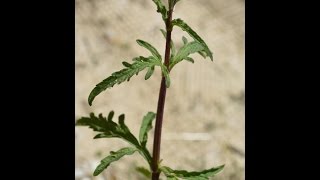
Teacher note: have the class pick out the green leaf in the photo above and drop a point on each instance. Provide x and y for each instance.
(185, 41)
(161, 9)
(95, 123)
(146, 126)
(149, 72)
(114, 156)
(185, 51)
(152, 49)
(172, 47)
(140, 63)
(185, 27)
(193, 175)
(109, 129)
(144, 171)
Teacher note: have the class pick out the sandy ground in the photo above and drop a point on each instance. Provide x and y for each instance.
(204, 114)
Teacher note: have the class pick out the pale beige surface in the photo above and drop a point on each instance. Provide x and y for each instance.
(204, 113)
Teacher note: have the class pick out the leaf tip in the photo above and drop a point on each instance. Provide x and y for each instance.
(121, 117)
(139, 41)
(92, 95)
(110, 115)
(219, 168)
(96, 173)
(90, 101)
(126, 64)
(211, 58)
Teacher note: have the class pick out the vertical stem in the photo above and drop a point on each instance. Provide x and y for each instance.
(161, 102)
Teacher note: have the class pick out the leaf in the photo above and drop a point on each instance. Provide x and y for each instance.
(185, 51)
(95, 123)
(114, 156)
(109, 129)
(172, 47)
(185, 41)
(185, 27)
(146, 126)
(161, 9)
(140, 63)
(149, 72)
(144, 171)
(152, 49)
(193, 175)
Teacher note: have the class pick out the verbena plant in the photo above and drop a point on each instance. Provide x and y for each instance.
(107, 128)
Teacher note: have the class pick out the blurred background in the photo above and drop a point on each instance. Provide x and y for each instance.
(204, 124)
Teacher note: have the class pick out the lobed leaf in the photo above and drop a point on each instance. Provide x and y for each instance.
(114, 156)
(161, 9)
(185, 27)
(152, 49)
(146, 126)
(110, 129)
(140, 63)
(95, 123)
(193, 175)
(185, 51)
(185, 41)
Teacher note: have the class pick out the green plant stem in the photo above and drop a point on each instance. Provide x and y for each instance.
(161, 102)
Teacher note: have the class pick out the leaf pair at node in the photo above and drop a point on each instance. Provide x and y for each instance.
(139, 64)
(109, 129)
